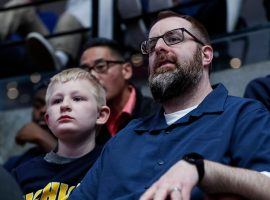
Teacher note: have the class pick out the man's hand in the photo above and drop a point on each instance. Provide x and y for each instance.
(175, 184)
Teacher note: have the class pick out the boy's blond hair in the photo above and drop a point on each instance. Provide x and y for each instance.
(74, 74)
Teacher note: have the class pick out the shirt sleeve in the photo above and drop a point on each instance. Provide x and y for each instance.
(250, 143)
(266, 173)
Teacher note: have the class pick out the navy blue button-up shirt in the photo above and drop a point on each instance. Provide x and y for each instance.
(229, 130)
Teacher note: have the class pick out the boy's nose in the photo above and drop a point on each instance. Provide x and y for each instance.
(65, 106)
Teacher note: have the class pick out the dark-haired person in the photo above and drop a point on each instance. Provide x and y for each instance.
(28, 22)
(259, 89)
(35, 132)
(201, 142)
(104, 58)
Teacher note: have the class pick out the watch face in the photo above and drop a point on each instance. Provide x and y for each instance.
(193, 157)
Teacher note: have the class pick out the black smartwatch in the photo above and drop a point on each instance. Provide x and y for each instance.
(197, 160)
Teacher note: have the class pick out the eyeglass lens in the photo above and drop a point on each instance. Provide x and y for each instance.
(170, 38)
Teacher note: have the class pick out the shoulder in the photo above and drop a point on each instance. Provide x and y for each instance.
(33, 161)
(32, 166)
(259, 89)
(245, 109)
(260, 80)
(15, 161)
(37, 161)
(261, 84)
(245, 104)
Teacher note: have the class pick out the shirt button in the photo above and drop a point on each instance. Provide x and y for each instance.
(160, 162)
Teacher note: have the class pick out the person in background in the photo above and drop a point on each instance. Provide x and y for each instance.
(35, 132)
(201, 142)
(259, 89)
(105, 59)
(28, 23)
(266, 4)
(20, 21)
(76, 106)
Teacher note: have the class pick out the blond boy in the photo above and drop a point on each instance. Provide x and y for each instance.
(76, 105)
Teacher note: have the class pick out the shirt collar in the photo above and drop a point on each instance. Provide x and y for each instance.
(128, 108)
(117, 120)
(213, 103)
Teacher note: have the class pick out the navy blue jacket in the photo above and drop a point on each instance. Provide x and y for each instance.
(229, 130)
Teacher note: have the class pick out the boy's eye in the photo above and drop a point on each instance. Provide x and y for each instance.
(56, 101)
(78, 98)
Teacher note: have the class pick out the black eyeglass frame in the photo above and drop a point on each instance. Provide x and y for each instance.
(144, 43)
(107, 62)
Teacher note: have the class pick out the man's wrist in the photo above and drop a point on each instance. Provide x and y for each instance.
(198, 161)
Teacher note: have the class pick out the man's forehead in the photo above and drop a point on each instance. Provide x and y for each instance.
(96, 53)
(168, 24)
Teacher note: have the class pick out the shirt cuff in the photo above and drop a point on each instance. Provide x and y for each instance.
(266, 173)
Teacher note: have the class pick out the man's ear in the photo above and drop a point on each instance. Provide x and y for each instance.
(127, 70)
(207, 55)
(104, 114)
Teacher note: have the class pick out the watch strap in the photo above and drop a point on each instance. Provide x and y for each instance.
(197, 160)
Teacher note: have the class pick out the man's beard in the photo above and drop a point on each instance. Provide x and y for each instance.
(167, 84)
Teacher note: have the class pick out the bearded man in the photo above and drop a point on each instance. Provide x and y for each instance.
(187, 149)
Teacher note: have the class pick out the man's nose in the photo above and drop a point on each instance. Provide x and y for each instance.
(100, 78)
(161, 46)
(95, 74)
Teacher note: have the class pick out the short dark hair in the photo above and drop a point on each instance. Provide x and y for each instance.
(199, 28)
(104, 42)
(42, 84)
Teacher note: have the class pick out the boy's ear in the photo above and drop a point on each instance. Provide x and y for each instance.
(46, 117)
(104, 114)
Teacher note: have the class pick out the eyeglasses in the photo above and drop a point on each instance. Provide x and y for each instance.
(171, 37)
(101, 66)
